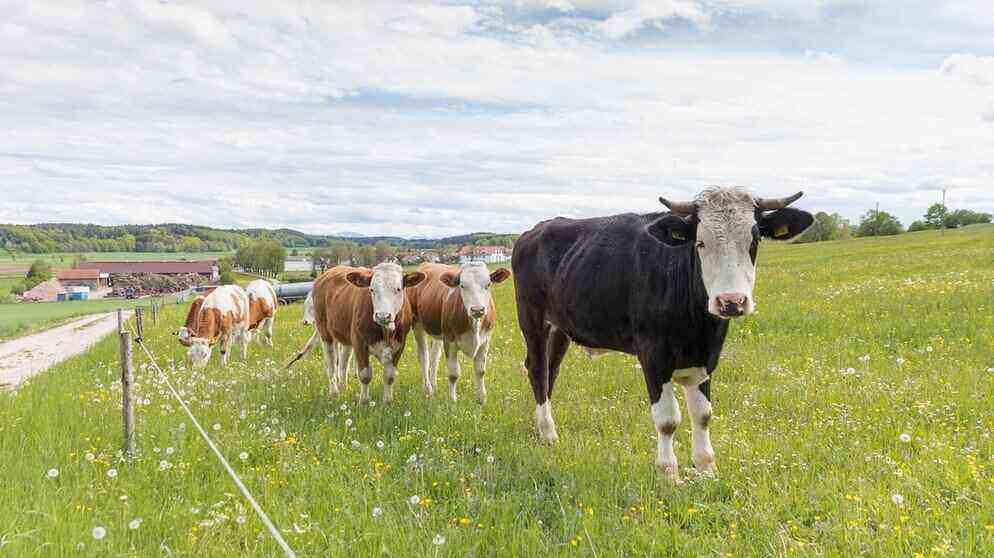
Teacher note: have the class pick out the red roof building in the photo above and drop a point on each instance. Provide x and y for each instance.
(207, 268)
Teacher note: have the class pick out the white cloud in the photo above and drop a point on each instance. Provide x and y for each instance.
(434, 119)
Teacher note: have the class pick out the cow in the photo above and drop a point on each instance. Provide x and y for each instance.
(454, 307)
(221, 317)
(366, 311)
(660, 286)
(308, 319)
(262, 309)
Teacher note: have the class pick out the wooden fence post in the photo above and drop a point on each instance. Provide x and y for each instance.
(127, 379)
(138, 324)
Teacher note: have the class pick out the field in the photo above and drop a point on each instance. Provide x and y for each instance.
(19, 319)
(852, 417)
(66, 259)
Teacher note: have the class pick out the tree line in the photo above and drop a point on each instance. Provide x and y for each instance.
(342, 252)
(266, 257)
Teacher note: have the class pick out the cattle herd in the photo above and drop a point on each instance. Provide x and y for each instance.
(660, 286)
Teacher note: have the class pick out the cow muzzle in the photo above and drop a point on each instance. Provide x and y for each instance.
(731, 305)
(383, 318)
(477, 312)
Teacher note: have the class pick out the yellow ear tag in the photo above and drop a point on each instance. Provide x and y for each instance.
(782, 231)
(677, 235)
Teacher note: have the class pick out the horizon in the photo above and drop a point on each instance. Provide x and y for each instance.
(421, 120)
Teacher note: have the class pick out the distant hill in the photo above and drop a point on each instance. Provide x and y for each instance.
(176, 237)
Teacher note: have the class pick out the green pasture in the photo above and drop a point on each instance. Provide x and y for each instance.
(852, 417)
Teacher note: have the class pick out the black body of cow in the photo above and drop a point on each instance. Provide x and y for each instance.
(607, 283)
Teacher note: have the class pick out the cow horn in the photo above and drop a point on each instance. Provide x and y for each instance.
(682, 208)
(777, 203)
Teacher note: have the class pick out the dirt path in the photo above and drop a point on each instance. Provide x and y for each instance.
(24, 356)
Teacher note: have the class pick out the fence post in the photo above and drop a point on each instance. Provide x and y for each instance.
(127, 379)
(138, 324)
(155, 312)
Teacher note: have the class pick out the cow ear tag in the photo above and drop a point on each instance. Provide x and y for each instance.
(782, 231)
(677, 235)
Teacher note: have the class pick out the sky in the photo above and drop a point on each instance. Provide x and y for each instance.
(425, 119)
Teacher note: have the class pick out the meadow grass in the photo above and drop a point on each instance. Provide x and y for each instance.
(852, 417)
(65, 259)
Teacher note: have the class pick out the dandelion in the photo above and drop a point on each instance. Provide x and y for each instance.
(216, 427)
(169, 450)
(89, 456)
(356, 445)
(904, 437)
(111, 473)
(53, 473)
(164, 465)
(380, 444)
(243, 456)
(344, 407)
(135, 523)
(491, 459)
(408, 413)
(98, 532)
(864, 358)
(240, 520)
(413, 458)
(897, 499)
(348, 423)
(928, 349)
(263, 407)
(377, 512)
(850, 370)
(414, 500)
(439, 540)
(899, 361)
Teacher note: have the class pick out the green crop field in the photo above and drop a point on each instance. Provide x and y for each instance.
(66, 259)
(21, 318)
(853, 417)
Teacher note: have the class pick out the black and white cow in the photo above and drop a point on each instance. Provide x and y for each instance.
(660, 286)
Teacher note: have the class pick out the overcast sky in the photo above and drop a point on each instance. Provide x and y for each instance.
(432, 119)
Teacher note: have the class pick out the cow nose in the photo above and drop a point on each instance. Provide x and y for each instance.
(477, 311)
(731, 304)
(383, 317)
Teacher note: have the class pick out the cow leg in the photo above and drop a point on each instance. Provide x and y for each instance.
(365, 372)
(389, 359)
(419, 338)
(342, 364)
(699, 408)
(243, 340)
(435, 348)
(452, 364)
(330, 358)
(225, 345)
(480, 368)
(557, 346)
(269, 331)
(665, 415)
(536, 334)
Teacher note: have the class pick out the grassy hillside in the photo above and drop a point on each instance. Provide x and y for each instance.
(857, 347)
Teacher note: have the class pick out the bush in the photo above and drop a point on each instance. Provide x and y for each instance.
(879, 223)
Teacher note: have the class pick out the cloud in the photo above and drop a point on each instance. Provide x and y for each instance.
(430, 119)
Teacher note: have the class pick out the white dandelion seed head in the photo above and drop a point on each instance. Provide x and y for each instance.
(407, 414)
(216, 427)
(89, 456)
(414, 500)
(377, 512)
(98, 532)
(240, 520)
(111, 473)
(439, 540)
(348, 423)
(372, 403)
(263, 407)
(904, 437)
(413, 458)
(243, 456)
(169, 450)
(491, 459)
(380, 444)
(356, 445)
(52, 473)
(135, 523)
(850, 370)
(164, 465)
(897, 499)
(929, 349)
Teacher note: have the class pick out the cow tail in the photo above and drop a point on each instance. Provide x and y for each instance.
(305, 349)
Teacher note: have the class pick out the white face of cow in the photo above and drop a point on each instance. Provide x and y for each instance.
(473, 282)
(726, 225)
(183, 334)
(386, 283)
(199, 352)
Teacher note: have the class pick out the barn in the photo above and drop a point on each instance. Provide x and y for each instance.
(92, 278)
(208, 269)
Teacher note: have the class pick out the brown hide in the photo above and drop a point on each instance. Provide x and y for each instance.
(259, 310)
(343, 312)
(212, 324)
(439, 308)
(192, 316)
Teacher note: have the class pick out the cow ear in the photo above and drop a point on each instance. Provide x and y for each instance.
(449, 279)
(672, 230)
(413, 278)
(360, 278)
(784, 224)
(499, 275)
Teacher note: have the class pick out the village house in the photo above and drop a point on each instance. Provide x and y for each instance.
(486, 254)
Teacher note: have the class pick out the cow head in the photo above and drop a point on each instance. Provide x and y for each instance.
(725, 226)
(184, 335)
(386, 283)
(473, 282)
(199, 352)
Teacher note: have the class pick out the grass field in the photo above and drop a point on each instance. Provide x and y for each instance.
(853, 416)
(66, 259)
(21, 318)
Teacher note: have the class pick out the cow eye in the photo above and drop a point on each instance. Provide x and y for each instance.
(397, 289)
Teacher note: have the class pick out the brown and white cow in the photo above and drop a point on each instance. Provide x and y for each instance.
(364, 310)
(308, 319)
(262, 309)
(220, 317)
(454, 307)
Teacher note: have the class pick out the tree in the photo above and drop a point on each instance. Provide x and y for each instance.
(964, 217)
(825, 227)
(919, 226)
(935, 216)
(225, 269)
(382, 252)
(879, 223)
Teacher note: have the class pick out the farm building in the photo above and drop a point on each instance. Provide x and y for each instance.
(45, 291)
(208, 269)
(92, 278)
(488, 254)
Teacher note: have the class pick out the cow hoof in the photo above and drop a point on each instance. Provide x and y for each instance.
(548, 437)
(706, 469)
(669, 470)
